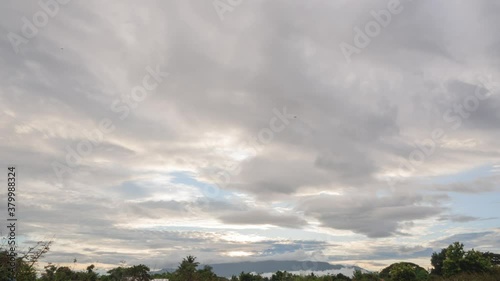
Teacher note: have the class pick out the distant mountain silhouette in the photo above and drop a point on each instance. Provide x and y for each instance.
(271, 266)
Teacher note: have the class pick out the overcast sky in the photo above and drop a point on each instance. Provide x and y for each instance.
(354, 132)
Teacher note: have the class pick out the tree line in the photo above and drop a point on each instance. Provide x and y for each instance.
(450, 264)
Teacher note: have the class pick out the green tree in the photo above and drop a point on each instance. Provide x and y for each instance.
(25, 261)
(492, 257)
(135, 273)
(207, 274)
(116, 274)
(24, 271)
(91, 275)
(64, 273)
(164, 275)
(5, 266)
(360, 276)
(420, 273)
(454, 254)
(138, 273)
(437, 260)
(403, 272)
(187, 269)
(282, 276)
(454, 260)
(341, 277)
(50, 273)
(88, 275)
(475, 262)
(250, 277)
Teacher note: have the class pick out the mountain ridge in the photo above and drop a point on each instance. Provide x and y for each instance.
(271, 266)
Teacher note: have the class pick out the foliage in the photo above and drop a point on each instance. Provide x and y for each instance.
(370, 276)
(187, 269)
(135, 273)
(206, 273)
(422, 275)
(493, 258)
(25, 262)
(403, 272)
(282, 276)
(493, 275)
(475, 262)
(54, 273)
(437, 260)
(249, 277)
(396, 270)
(454, 260)
(454, 255)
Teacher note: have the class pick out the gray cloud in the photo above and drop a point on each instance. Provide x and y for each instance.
(257, 217)
(372, 216)
(354, 125)
(488, 184)
(458, 218)
(482, 241)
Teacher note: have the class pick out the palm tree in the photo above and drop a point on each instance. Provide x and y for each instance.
(187, 269)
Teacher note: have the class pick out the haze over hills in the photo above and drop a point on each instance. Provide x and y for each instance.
(267, 268)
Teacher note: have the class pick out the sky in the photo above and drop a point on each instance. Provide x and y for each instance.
(351, 132)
